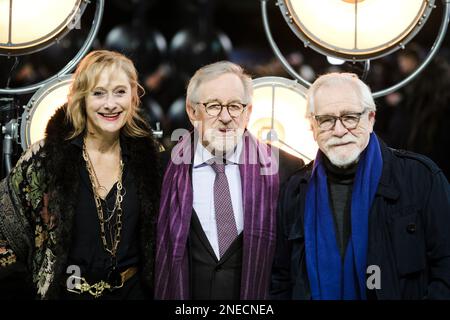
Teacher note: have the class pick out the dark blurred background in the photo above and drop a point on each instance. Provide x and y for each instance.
(169, 39)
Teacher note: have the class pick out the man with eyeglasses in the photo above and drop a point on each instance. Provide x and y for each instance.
(362, 221)
(216, 225)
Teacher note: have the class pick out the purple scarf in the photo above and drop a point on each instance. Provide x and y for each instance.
(259, 179)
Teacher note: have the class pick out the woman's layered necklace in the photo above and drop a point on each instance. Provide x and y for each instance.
(114, 277)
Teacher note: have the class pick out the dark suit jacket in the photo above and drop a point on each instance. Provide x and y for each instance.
(227, 277)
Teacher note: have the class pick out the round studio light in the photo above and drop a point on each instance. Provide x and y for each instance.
(278, 114)
(41, 107)
(356, 29)
(28, 26)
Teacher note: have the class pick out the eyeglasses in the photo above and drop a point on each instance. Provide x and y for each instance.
(349, 121)
(214, 109)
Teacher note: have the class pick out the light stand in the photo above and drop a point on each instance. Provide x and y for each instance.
(9, 132)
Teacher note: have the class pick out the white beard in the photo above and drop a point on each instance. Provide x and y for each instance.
(221, 144)
(343, 160)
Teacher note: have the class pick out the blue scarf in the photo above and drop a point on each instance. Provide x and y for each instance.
(329, 278)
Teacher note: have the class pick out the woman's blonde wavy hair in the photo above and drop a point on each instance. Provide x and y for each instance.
(84, 80)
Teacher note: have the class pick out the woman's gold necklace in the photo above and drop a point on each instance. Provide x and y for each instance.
(113, 276)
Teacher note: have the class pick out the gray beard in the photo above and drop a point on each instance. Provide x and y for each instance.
(343, 164)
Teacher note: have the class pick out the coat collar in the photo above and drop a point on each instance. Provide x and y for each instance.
(386, 186)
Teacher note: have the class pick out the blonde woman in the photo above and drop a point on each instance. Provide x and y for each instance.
(78, 208)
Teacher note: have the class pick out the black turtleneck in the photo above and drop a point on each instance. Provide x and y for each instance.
(340, 183)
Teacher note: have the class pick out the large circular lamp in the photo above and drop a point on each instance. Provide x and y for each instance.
(41, 107)
(21, 17)
(356, 29)
(278, 116)
(29, 26)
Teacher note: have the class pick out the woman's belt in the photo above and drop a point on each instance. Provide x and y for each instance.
(80, 285)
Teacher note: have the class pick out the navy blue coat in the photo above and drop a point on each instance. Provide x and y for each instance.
(409, 232)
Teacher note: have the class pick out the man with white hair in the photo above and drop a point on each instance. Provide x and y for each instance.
(362, 221)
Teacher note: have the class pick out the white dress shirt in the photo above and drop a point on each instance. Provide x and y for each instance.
(203, 177)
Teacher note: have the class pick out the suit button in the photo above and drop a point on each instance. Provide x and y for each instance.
(411, 228)
(219, 268)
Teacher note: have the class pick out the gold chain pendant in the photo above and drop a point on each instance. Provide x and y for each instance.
(117, 207)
